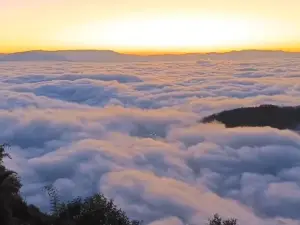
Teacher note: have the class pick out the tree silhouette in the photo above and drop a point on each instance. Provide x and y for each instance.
(9, 188)
(93, 210)
(217, 220)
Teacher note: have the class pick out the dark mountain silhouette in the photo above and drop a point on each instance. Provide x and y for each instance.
(265, 115)
(32, 56)
(112, 56)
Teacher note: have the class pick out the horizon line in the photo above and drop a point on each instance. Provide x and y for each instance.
(149, 53)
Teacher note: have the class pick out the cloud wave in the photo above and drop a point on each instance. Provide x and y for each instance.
(131, 131)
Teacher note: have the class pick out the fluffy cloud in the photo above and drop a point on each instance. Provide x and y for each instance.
(131, 131)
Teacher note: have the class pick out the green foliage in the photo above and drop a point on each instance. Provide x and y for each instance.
(3, 153)
(217, 220)
(93, 210)
(54, 199)
(9, 188)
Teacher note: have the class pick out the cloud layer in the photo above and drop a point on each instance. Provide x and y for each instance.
(130, 131)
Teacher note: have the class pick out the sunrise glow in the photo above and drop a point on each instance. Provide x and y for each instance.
(165, 34)
(159, 26)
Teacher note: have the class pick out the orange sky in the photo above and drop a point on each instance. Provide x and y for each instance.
(149, 26)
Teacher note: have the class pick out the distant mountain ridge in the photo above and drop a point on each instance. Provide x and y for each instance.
(112, 56)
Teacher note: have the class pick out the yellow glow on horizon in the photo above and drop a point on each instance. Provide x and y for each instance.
(164, 34)
(172, 34)
(145, 27)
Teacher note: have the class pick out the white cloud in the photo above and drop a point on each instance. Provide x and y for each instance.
(131, 131)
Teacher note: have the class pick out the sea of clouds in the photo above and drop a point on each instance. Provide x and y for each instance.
(131, 131)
